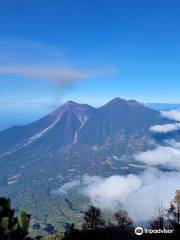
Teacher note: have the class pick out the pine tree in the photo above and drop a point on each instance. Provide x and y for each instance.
(93, 218)
(24, 221)
(12, 227)
(123, 219)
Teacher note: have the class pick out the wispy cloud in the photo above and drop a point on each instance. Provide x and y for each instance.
(63, 76)
(63, 190)
(45, 61)
(18, 51)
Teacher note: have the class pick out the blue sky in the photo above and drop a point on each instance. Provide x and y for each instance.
(87, 51)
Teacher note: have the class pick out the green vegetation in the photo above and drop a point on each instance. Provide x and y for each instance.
(14, 227)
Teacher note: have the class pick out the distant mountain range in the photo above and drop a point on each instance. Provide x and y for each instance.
(75, 139)
(163, 106)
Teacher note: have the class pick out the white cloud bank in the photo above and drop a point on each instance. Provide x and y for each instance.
(156, 186)
(167, 156)
(140, 194)
(173, 143)
(172, 115)
(110, 192)
(165, 128)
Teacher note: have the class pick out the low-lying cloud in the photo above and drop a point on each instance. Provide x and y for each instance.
(165, 128)
(140, 194)
(173, 143)
(156, 186)
(110, 192)
(166, 156)
(172, 115)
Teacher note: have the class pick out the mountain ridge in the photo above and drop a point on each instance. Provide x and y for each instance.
(116, 110)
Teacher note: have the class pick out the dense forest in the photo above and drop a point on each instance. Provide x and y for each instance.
(164, 225)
